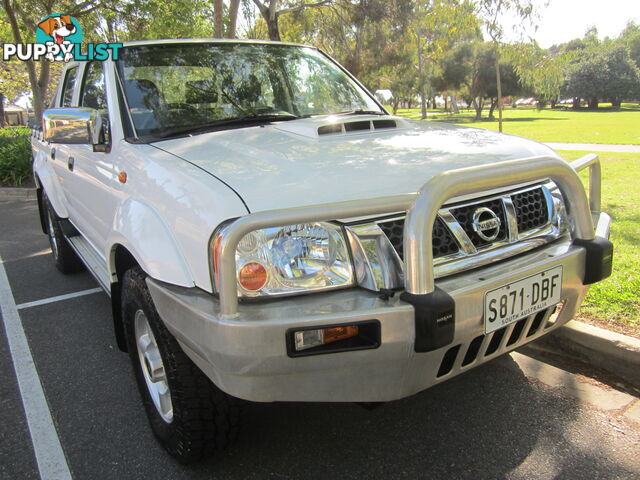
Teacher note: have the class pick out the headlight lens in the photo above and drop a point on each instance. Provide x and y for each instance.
(297, 258)
(560, 217)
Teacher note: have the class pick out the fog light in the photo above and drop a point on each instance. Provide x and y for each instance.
(313, 338)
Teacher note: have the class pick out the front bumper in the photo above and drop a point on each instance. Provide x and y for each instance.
(246, 355)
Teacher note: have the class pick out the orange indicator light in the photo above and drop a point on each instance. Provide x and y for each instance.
(339, 333)
(252, 276)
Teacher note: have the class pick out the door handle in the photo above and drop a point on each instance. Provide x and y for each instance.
(70, 162)
(53, 154)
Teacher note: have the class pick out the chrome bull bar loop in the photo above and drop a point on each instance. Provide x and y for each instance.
(419, 223)
(595, 179)
(422, 208)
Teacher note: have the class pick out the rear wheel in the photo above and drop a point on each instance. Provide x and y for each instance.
(64, 257)
(189, 415)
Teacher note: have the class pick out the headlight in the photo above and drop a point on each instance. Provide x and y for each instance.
(293, 259)
(560, 218)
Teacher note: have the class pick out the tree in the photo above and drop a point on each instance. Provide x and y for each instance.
(539, 70)
(438, 25)
(369, 37)
(23, 17)
(149, 19)
(491, 13)
(271, 12)
(218, 19)
(233, 18)
(610, 74)
(484, 81)
(469, 69)
(456, 68)
(631, 38)
(218, 14)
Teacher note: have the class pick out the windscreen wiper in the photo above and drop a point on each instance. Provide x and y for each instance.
(360, 112)
(245, 119)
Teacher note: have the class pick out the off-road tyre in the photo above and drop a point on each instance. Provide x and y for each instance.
(64, 256)
(204, 418)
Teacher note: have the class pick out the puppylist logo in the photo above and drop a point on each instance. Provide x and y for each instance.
(59, 39)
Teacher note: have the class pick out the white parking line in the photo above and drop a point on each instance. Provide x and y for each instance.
(59, 298)
(52, 463)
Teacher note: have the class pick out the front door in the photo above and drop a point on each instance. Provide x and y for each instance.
(91, 179)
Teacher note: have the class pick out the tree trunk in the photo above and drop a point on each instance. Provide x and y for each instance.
(233, 18)
(593, 103)
(433, 103)
(2, 97)
(423, 103)
(272, 26)
(423, 95)
(454, 106)
(499, 85)
(396, 103)
(492, 107)
(617, 103)
(553, 103)
(446, 103)
(218, 6)
(576, 103)
(477, 105)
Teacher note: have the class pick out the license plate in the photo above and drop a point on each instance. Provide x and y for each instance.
(516, 300)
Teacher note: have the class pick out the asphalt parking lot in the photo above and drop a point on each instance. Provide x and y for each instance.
(493, 422)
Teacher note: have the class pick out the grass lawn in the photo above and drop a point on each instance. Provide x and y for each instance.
(603, 126)
(616, 301)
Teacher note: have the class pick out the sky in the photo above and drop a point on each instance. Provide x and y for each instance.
(563, 20)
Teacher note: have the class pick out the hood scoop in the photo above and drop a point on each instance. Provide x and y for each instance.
(336, 125)
(357, 126)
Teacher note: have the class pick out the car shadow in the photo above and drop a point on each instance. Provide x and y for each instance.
(484, 424)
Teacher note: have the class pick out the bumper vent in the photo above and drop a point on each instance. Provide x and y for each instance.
(486, 345)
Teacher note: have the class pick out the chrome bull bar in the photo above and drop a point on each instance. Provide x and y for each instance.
(595, 179)
(422, 208)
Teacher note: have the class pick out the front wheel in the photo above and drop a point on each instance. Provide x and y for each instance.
(189, 415)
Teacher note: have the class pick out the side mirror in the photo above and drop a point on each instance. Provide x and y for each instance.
(74, 125)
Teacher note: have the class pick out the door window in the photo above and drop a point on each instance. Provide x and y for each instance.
(69, 85)
(94, 95)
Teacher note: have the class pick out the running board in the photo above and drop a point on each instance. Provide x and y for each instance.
(94, 263)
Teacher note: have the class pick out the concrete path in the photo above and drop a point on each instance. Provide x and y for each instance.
(595, 147)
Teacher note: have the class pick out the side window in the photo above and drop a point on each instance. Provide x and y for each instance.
(69, 84)
(94, 95)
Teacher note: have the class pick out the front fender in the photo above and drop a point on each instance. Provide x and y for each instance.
(47, 180)
(141, 230)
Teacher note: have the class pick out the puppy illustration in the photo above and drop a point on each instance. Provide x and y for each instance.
(58, 28)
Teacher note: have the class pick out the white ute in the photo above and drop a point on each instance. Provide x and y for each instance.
(268, 232)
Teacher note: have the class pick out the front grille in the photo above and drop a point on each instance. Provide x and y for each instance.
(531, 213)
(531, 209)
(443, 242)
(464, 215)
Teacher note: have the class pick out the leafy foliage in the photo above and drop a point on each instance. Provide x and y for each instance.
(15, 155)
(606, 74)
(539, 70)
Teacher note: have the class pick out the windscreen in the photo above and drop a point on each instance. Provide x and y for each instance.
(178, 86)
